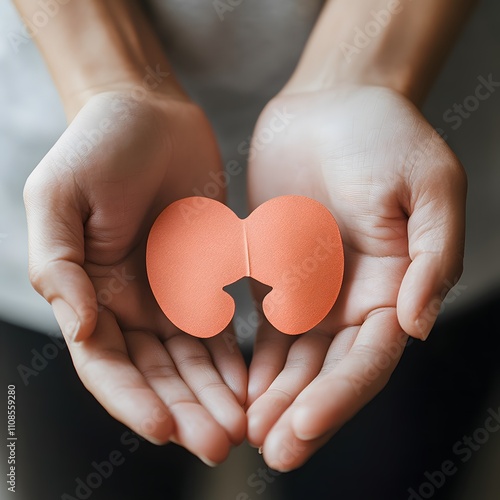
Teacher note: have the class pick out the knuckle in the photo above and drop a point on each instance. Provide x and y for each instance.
(164, 372)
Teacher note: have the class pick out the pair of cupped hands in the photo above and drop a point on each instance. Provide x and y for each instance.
(366, 153)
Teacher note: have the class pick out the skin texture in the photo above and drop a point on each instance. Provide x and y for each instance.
(134, 145)
(357, 143)
(398, 195)
(89, 208)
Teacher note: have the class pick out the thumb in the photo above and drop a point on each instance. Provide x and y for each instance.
(436, 233)
(55, 210)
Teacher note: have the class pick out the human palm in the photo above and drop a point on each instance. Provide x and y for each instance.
(398, 195)
(90, 205)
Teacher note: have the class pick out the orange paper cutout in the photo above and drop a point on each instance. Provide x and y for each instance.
(197, 246)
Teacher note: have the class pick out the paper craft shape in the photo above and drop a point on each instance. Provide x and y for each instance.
(197, 246)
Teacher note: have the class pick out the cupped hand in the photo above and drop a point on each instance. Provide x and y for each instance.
(398, 195)
(90, 204)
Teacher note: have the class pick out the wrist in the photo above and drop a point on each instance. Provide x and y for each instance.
(138, 83)
(102, 45)
(374, 70)
(399, 44)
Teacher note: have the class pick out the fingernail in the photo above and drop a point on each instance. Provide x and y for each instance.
(67, 318)
(423, 329)
(208, 462)
(302, 415)
(427, 317)
(155, 441)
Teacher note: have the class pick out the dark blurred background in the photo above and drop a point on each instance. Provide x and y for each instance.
(435, 410)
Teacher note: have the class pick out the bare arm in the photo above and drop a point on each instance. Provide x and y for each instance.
(96, 45)
(135, 144)
(399, 44)
(357, 144)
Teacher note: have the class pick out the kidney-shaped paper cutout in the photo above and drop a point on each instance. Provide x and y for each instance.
(197, 246)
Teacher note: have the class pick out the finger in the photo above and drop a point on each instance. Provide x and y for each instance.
(303, 363)
(195, 428)
(195, 366)
(344, 387)
(436, 233)
(269, 356)
(229, 362)
(284, 451)
(103, 364)
(54, 210)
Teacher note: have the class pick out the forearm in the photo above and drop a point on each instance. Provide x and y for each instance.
(400, 44)
(95, 45)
